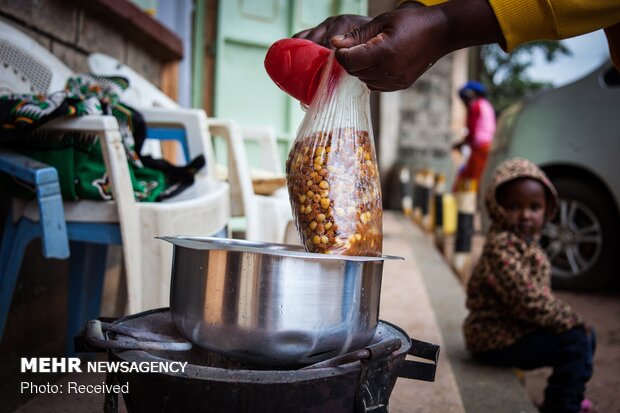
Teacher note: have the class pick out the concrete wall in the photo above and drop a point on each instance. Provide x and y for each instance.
(72, 32)
(420, 124)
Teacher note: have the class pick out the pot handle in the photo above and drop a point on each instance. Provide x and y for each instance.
(372, 352)
(130, 339)
(417, 370)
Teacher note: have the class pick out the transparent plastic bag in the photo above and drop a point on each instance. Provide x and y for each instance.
(332, 172)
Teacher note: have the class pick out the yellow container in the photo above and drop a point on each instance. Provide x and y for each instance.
(450, 214)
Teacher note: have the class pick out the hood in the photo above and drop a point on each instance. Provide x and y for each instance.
(508, 171)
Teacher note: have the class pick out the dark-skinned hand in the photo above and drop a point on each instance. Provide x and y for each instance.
(332, 26)
(394, 49)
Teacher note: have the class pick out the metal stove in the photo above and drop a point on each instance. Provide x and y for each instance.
(357, 382)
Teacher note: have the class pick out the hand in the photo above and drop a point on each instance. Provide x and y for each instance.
(331, 27)
(458, 146)
(393, 50)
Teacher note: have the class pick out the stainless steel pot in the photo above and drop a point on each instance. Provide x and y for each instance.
(272, 303)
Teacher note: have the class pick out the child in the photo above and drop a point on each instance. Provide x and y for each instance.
(515, 320)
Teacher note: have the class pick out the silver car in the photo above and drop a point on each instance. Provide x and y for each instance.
(573, 133)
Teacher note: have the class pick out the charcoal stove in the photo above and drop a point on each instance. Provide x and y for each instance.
(356, 382)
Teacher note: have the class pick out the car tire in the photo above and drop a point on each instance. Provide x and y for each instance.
(580, 240)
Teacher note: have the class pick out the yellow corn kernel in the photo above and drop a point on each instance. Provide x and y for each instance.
(324, 193)
(327, 225)
(358, 236)
(324, 184)
(324, 239)
(316, 239)
(310, 194)
(325, 203)
(302, 198)
(321, 217)
(313, 225)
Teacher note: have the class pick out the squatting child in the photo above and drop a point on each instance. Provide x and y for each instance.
(514, 318)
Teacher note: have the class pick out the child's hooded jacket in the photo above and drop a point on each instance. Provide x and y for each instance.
(509, 293)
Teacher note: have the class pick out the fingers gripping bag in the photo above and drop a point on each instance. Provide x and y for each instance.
(332, 172)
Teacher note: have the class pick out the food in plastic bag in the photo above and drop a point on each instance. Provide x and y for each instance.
(332, 173)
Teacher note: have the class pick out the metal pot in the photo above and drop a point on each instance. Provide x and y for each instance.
(272, 303)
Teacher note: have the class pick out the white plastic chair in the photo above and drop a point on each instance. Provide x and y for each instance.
(268, 218)
(263, 218)
(203, 209)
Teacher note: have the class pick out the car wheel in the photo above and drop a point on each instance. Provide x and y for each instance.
(580, 239)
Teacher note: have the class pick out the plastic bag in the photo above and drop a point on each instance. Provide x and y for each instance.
(332, 173)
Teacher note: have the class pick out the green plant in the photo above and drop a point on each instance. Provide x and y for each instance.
(504, 74)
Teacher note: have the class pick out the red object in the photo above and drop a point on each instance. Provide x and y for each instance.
(295, 65)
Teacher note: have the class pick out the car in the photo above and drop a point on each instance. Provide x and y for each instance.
(573, 134)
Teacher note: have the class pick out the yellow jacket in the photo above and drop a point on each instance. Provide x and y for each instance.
(522, 21)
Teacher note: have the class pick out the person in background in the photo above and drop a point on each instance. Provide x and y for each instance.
(394, 49)
(480, 131)
(514, 319)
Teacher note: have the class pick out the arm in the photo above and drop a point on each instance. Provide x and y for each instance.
(526, 298)
(392, 50)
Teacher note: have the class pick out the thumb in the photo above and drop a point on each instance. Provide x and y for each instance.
(357, 36)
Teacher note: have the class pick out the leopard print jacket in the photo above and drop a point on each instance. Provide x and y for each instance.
(509, 293)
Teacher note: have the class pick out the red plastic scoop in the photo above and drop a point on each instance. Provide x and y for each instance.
(295, 65)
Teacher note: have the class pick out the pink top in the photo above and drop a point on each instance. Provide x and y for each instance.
(480, 122)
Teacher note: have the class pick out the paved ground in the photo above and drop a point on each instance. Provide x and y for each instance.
(406, 303)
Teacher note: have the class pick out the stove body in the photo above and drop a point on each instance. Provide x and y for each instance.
(357, 382)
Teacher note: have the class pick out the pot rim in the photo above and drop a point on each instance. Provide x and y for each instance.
(267, 248)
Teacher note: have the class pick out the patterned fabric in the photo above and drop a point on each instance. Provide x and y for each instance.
(78, 157)
(509, 293)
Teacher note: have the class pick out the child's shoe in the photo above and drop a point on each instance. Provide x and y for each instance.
(587, 406)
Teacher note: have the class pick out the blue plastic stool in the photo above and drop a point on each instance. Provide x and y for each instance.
(89, 243)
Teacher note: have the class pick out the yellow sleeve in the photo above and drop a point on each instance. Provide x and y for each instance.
(527, 20)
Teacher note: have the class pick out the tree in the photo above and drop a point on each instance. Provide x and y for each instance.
(504, 74)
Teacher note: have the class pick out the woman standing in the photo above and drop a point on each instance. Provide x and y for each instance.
(480, 131)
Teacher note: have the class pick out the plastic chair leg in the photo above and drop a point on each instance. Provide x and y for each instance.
(86, 276)
(14, 241)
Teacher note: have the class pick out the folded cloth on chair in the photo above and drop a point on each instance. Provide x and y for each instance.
(77, 156)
